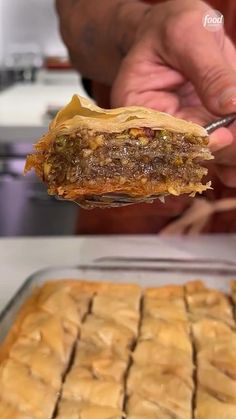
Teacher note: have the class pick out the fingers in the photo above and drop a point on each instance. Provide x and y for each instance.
(223, 145)
(144, 81)
(207, 59)
(162, 101)
(227, 175)
(220, 139)
(197, 114)
(213, 79)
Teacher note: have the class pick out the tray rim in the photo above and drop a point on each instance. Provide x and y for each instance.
(231, 271)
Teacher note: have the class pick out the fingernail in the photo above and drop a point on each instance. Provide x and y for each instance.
(227, 100)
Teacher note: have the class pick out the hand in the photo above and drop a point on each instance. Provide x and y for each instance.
(177, 66)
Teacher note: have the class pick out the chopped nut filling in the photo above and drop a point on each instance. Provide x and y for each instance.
(141, 154)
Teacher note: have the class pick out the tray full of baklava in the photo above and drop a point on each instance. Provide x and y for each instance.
(116, 340)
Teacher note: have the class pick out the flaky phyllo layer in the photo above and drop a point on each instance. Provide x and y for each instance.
(100, 350)
(136, 151)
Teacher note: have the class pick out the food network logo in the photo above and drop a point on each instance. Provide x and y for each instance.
(213, 20)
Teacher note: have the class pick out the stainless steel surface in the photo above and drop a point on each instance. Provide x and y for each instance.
(22, 134)
(146, 274)
(21, 149)
(25, 207)
(7, 78)
(225, 121)
(27, 210)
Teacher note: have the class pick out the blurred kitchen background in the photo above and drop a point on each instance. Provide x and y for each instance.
(36, 80)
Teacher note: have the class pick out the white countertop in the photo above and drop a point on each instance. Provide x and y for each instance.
(26, 104)
(22, 256)
(23, 107)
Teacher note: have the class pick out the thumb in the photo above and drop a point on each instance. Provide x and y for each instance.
(208, 60)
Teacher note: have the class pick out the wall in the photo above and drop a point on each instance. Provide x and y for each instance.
(1, 30)
(29, 21)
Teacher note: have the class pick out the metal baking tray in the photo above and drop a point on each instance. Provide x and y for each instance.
(145, 272)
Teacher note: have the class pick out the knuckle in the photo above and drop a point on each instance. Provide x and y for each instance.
(178, 24)
(213, 79)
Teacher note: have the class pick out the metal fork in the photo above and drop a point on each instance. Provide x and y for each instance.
(118, 200)
(225, 121)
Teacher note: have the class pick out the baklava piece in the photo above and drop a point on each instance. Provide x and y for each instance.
(122, 303)
(82, 350)
(81, 385)
(101, 361)
(43, 362)
(36, 353)
(214, 338)
(160, 378)
(71, 301)
(21, 389)
(106, 332)
(95, 384)
(204, 302)
(133, 151)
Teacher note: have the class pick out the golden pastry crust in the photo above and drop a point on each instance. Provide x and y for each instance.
(168, 390)
(208, 331)
(20, 388)
(166, 303)
(210, 407)
(120, 290)
(216, 382)
(193, 287)
(14, 332)
(233, 286)
(140, 408)
(36, 301)
(82, 111)
(153, 370)
(57, 333)
(214, 336)
(72, 409)
(7, 411)
(102, 362)
(219, 360)
(36, 352)
(71, 302)
(87, 133)
(204, 302)
(173, 334)
(39, 297)
(40, 358)
(165, 310)
(125, 311)
(97, 375)
(42, 338)
(82, 386)
(165, 292)
(164, 359)
(107, 332)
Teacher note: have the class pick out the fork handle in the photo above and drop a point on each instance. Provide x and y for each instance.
(222, 122)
